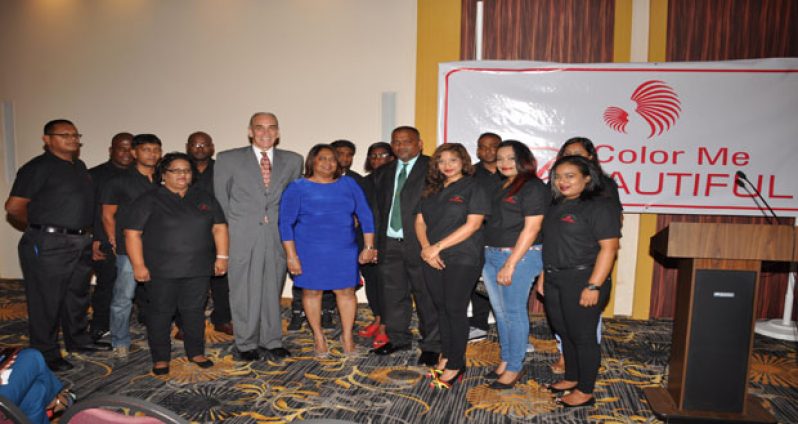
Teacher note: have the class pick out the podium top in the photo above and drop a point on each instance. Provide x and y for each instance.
(776, 243)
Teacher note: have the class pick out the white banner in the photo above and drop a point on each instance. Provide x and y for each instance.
(673, 135)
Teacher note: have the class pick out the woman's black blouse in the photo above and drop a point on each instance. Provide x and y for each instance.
(573, 228)
(176, 232)
(509, 212)
(447, 210)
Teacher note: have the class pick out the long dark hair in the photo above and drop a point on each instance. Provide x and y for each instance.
(586, 168)
(166, 162)
(314, 151)
(525, 164)
(587, 144)
(435, 177)
(372, 148)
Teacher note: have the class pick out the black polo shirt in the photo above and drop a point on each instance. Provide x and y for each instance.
(573, 228)
(509, 212)
(610, 189)
(447, 210)
(61, 192)
(122, 191)
(100, 175)
(204, 180)
(178, 242)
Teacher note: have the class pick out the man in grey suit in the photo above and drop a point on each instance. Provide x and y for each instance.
(248, 183)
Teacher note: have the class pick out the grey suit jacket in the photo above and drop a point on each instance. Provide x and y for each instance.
(238, 186)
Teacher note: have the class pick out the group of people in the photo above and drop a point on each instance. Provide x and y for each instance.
(420, 231)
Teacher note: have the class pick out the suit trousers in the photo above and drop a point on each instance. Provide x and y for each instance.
(402, 277)
(105, 273)
(56, 269)
(575, 324)
(450, 289)
(171, 295)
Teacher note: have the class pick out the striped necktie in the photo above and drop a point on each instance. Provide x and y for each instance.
(265, 168)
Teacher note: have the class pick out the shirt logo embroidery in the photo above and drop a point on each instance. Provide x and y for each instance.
(509, 199)
(569, 219)
(456, 199)
(203, 207)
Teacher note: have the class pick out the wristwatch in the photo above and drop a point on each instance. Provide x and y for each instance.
(593, 287)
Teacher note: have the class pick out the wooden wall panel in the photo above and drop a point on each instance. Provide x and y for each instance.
(701, 30)
(568, 31)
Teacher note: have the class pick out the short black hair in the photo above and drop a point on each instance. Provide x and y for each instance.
(50, 126)
(407, 128)
(140, 139)
(343, 143)
(586, 168)
(489, 134)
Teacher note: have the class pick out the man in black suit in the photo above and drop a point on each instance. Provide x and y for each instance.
(398, 188)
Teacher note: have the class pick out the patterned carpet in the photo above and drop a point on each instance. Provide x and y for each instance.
(369, 389)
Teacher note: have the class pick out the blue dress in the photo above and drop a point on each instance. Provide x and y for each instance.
(319, 218)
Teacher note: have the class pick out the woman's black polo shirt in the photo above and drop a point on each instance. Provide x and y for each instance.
(178, 242)
(447, 210)
(573, 228)
(60, 192)
(509, 212)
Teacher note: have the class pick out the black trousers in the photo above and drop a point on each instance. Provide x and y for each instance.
(220, 292)
(56, 269)
(401, 277)
(105, 273)
(451, 289)
(480, 310)
(373, 291)
(327, 300)
(168, 296)
(575, 324)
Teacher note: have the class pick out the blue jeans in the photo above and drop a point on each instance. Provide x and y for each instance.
(122, 302)
(510, 302)
(31, 386)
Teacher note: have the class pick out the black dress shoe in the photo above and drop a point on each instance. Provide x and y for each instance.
(202, 364)
(390, 348)
(160, 371)
(428, 358)
(248, 355)
(493, 375)
(589, 402)
(92, 347)
(279, 352)
(59, 364)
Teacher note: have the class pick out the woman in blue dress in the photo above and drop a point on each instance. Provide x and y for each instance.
(317, 226)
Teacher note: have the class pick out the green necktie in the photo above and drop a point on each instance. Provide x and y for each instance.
(396, 212)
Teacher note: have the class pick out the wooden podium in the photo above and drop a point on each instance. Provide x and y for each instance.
(713, 328)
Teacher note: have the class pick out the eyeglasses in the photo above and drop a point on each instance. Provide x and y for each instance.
(199, 145)
(379, 155)
(179, 171)
(67, 135)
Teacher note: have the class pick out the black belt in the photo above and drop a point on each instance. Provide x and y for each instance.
(396, 239)
(569, 268)
(60, 230)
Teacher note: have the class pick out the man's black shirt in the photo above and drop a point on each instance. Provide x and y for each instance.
(100, 175)
(61, 192)
(204, 180)
(122, 191)
(572, 229)
(176, 232)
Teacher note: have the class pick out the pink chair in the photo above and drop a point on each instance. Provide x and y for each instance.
(107, 409)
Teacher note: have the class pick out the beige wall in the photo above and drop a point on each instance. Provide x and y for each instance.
(173, 67)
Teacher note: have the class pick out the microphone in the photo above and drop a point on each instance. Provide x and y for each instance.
(739, 178)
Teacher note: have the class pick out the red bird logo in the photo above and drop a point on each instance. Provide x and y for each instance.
(657, 103)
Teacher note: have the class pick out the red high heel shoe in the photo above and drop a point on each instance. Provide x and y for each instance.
(370, 330)
(380, 340)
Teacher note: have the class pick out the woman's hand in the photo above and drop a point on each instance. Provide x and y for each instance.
(220, 266)
(367, 256)
(141, 273)
(430, 252)
(505, 275)
(436, 262)
(294, 266)
(588, 298)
